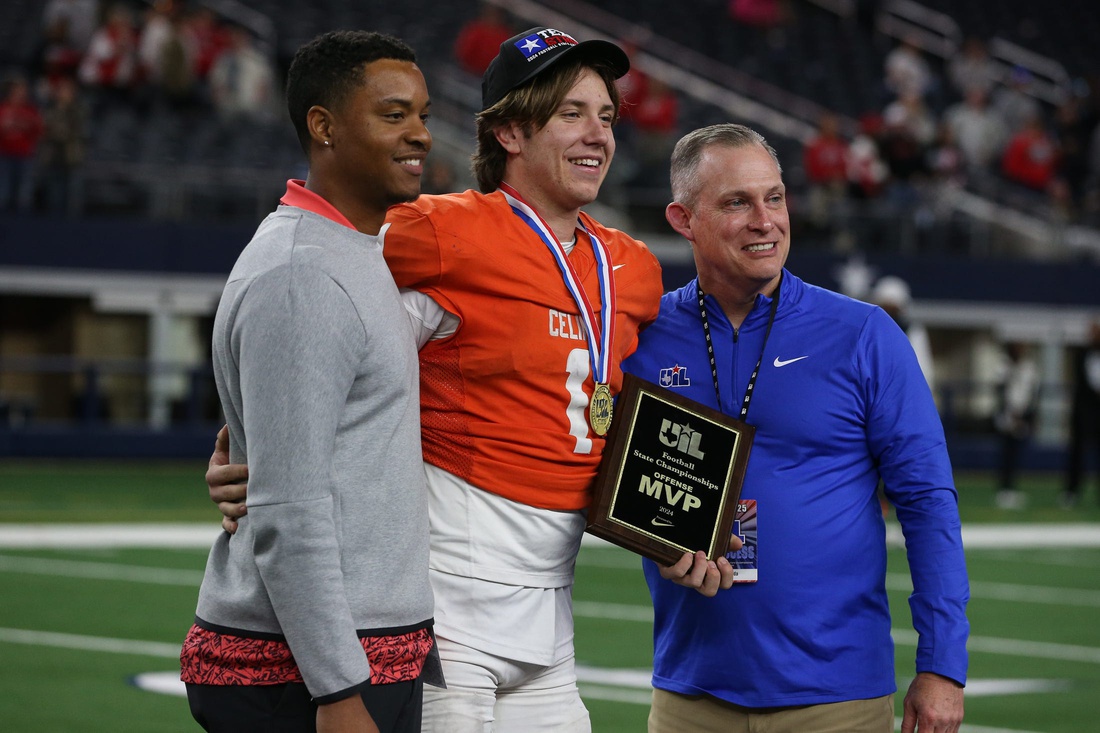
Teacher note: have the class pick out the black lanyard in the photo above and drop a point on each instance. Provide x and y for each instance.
(710, 348)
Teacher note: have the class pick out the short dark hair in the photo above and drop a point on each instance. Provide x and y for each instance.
(689, 151)
(327, 69)
(531, 106)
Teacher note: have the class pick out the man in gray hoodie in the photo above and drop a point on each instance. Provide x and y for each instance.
(317, 613)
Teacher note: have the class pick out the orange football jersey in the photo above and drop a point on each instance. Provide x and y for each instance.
(504, 401)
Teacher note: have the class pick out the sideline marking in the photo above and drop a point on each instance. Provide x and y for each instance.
(984, 536)
(100, 571)
(90, 643)
(108, 535)
(1014, 592)
(202, 535)
(162, 683)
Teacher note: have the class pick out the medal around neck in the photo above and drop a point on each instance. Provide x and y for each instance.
(600, 409)
(671, 475)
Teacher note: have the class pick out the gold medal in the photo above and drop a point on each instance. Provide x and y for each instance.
(599, 409)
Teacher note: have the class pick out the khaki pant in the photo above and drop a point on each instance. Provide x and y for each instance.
(674, 713)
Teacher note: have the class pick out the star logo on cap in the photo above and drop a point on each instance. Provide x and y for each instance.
(529, 45)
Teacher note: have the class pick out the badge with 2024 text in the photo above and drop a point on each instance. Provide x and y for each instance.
(671, 475)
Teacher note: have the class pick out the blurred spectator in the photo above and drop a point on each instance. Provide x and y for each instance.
(825, 161)
(972, 68)
(176, 83)
(111, 63)
(632, 84)
(242, 81)
(156, 32)
(479, 40)
(657, 110)
(906, 126)
(633, 89)
(58, 54)
(908, 130)
(20, 131)
(1014, 419)
(910, 114)
(1031, 156)
(867, 172)
(61, 153)
(978, 131)
(945, 159)
(205, 38)
(80, 18)
(1013, 103)
(907, 72)
(1084, 415)
(892, 295)
(656, 120)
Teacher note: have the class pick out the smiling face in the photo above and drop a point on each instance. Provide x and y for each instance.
(737, 222)
(378, 138)
(559, 167)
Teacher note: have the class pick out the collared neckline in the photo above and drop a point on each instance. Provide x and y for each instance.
(299, 196)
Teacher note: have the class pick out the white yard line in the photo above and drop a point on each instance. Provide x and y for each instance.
(99, 571)
(1013, 592)
(988, 536)
(201, 535)
(89, 643)
(107, 535)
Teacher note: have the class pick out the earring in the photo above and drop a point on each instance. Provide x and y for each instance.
(326, 142)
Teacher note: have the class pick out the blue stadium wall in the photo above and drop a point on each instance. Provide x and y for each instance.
(118, 245)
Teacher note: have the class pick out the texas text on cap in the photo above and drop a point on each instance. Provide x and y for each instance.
(524, 56)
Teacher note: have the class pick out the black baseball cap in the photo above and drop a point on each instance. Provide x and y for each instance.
(526, 55)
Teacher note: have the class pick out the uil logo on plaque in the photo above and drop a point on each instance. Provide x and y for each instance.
(671, 475)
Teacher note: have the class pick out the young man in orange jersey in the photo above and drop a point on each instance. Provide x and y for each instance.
(528, 307)
(525, 307)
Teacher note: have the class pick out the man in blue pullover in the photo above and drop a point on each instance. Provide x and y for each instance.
(838, 400)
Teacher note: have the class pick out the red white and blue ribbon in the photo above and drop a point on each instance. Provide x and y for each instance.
(600, 335)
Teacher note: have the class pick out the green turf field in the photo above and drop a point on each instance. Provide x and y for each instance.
(78, 626)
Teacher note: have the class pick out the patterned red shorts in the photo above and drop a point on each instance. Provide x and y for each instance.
(210, 658)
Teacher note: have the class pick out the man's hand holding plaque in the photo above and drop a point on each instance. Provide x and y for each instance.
(696, 571)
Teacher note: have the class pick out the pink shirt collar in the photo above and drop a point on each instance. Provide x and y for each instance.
(298, 195)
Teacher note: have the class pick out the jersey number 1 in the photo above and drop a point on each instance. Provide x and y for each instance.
(577, 371)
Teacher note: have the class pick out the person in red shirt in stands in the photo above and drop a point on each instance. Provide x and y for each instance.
(1031, 157)
(656, 122)
(206, 38)
(825, 160)
(110, 63)
(479, 40)
(20, 131)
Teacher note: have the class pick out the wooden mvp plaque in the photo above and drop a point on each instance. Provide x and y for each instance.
(670, 476)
